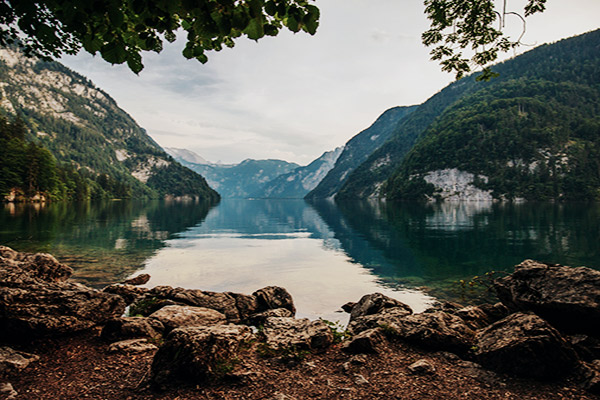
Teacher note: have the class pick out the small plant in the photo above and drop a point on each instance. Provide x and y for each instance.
(144, 307)
(479, 286)
(388, 330)
(223, 367)
(288, 353)
(337, 330)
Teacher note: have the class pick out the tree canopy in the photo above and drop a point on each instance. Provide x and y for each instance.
(120, 30)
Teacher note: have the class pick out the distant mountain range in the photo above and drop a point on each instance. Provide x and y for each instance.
(102, 148)
(533, 133)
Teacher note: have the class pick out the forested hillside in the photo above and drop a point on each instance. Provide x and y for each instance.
(505, 125)
(534, 133)
(88, 134)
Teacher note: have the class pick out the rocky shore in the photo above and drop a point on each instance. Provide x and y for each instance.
(60, 339)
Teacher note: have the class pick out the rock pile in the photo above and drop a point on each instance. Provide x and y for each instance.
(545, 327)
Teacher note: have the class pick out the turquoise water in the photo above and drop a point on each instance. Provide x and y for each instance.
(324, 254)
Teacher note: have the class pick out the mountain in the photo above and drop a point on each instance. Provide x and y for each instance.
(532, 134)
(534, 125)
(240, 180)
(296, 184)
(85, 130)
(358, 149)
(186, 155)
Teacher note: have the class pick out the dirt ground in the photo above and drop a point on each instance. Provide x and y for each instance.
(80, 367)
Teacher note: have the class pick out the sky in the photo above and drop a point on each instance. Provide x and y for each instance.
(295, 96)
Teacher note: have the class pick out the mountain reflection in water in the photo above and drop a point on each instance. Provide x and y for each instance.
(324, 253)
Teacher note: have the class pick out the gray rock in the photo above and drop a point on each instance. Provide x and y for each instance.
(259, 319)
(525, 345)
(236, 307)
(303, 334)
(179, 316)
(13, 360)
(132, 346)
(197, 353)
(132, 327)
(375, 303)
(35, 300)
(568, 298)
(366, 342)
(272, 297)
(385, 317)
(436, 330)
(474, 317)
(129, 293)
(348, 306)
(40, 266)
(7, 392)
(422, 367)
(360, 380)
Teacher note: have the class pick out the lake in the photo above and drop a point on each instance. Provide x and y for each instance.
(325, 254)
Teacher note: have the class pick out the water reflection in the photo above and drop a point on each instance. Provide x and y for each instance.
(325, 253)
(104, 242)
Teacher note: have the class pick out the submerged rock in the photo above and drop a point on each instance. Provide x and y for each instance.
(568, 298)
(525, 345)
(138, 280)
(197, 353)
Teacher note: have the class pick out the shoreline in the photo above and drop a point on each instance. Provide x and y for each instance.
(196, 344)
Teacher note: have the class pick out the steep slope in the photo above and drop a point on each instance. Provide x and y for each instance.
(296, 184)
(83, 127)
(358, 149)
(186, 155)
(566, 61)
(534, 134)
(240, 180)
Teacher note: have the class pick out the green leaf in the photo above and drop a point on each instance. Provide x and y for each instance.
(134, 62)
(114, 53)
(255, 29)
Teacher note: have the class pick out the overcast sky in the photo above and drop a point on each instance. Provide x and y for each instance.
(293, 97)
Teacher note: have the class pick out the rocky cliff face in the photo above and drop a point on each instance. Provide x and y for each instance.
(83, 126)
(358, 149)
(296, 184)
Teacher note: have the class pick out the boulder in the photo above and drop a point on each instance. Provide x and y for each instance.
(474, 317)
(301, 334)
(236, 307)
(197, 353)
(130, 346)
(259, 319)
(568, 298)
(132, 327)
(39, 266)
(129, 293)
(366, 342)
(385, 317)
(272, 297)
(13, 360)
(525, 345)
(179, 316)
(375, 303)
(138, 280)
(436, 330)
(35, 300)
